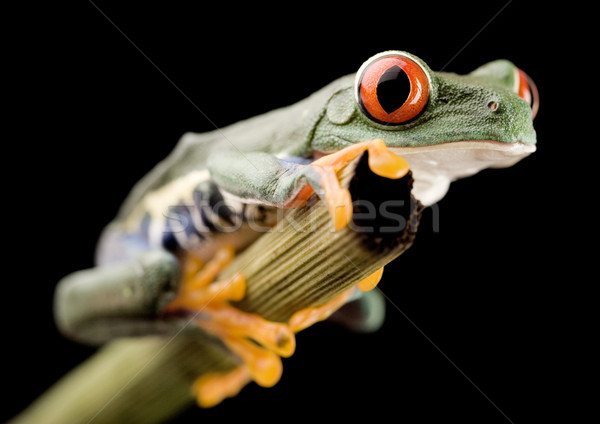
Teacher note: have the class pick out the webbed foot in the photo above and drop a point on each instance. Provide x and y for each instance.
(258, 343)
(322, 177)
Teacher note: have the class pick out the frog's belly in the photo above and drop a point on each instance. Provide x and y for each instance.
(211, 219)
(190, 214)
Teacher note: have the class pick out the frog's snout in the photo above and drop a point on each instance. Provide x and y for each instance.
(527, 90)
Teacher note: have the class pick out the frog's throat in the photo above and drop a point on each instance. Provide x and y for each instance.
(435, 167)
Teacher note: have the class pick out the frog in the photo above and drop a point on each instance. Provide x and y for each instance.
(187, 218)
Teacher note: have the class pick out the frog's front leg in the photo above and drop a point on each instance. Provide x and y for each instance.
(289, 183)
(258, 176)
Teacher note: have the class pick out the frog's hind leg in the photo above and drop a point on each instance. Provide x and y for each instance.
(364, 312)
(258, 343)
(119, 299)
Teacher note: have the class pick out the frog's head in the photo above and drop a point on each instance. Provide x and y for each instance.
(446, 126)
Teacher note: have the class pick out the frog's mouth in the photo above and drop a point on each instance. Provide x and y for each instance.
(435, 167)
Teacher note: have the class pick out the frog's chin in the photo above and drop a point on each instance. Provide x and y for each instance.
(435, 167)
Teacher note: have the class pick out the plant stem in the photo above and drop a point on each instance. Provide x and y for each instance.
(300, 263)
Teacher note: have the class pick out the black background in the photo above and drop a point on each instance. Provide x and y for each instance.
(488, 288)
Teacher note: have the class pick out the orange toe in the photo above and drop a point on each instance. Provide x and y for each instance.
(212, 388)
(370, 282)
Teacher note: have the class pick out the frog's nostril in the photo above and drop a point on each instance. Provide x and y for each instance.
(528, 91)
(493, 105)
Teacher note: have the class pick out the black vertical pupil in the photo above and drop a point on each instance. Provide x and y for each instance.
(393, 89)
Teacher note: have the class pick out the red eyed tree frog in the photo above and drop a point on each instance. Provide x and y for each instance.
(159, 257)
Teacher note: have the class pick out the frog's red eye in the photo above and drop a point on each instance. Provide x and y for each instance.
(392, 89)
(528, 92)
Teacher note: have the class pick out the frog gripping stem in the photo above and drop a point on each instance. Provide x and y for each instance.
(382, 162)
(258, 343)
(237, 327)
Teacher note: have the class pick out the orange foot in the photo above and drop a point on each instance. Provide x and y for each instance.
(257, 342)
(381, 161)
(309, 316)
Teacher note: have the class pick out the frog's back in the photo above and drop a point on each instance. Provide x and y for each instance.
(285, 131)
(189, 156)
